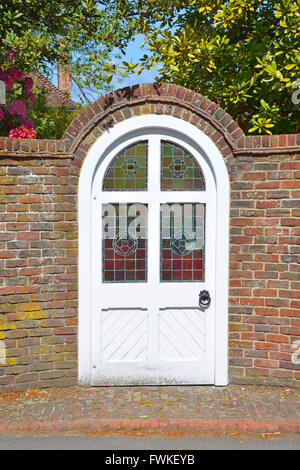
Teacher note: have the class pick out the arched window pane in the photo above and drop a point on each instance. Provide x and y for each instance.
(128, 170)
(179, 169)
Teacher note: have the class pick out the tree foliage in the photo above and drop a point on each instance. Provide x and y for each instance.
(30, 31)
(242, 54)
(50, 122)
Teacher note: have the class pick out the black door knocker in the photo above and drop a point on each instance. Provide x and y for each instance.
(204, 299)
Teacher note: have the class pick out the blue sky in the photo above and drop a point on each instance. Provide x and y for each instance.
(133, 53)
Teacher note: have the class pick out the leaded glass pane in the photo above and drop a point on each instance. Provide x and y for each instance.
(128, 170)
(182, 242)
(124, 242)
(179, 169)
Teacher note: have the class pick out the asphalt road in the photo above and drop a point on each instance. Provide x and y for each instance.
(86, 442)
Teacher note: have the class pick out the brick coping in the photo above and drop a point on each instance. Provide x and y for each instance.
(283, 426)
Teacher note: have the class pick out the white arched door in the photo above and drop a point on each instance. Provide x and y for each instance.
(153, 244)
(153, 235)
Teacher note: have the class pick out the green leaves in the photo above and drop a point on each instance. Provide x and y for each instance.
(242, 54)
(261, 125)
(49, 122)
(32, 30)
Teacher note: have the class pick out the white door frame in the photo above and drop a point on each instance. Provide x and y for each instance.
(97, 153)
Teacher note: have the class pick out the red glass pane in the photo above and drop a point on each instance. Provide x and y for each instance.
(182, 242)
(124, 245)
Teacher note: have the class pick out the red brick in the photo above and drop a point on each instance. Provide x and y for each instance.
(8, 254)
(27, 289)
(284, 374)
(254, 176)
(265, 363)
(252, 336)
(268, 185)
(267, 221)
(241, 221)
(290, 184)
(65, 331)
(289, 294)
(7, 290)
(289, 312)
(276, 338)
(15, 334)
(252, 301)
(290, 221)
(268, 346)
(268, 311)
(28, 236)
(290, 165)
(265, 292)
(267, 204)
(283, 140)
(281, 356)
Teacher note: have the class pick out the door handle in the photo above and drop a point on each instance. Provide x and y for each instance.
(204, 299)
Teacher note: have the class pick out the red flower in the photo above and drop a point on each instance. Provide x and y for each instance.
(22, 132)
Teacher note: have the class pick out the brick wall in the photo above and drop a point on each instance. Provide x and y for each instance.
(38, 272)
(38, 241)
(264, 314)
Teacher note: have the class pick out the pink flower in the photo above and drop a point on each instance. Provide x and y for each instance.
(8, 82)
(30, 97)
(11, 56)
(17, 107)
(22, 132)
(7, 78)
(10, 75)
(15, 73)
(28, 83)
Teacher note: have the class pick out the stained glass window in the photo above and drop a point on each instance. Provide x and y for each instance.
(124, 242)
(128, 170)
(179, 169)
(182, 242)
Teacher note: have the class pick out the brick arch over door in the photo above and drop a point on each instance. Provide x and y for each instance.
(156, 98)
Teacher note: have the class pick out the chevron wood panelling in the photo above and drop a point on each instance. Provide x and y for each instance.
(124, 335)
(181, 334)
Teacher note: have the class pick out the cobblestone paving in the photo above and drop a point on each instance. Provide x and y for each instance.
(173, 402)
